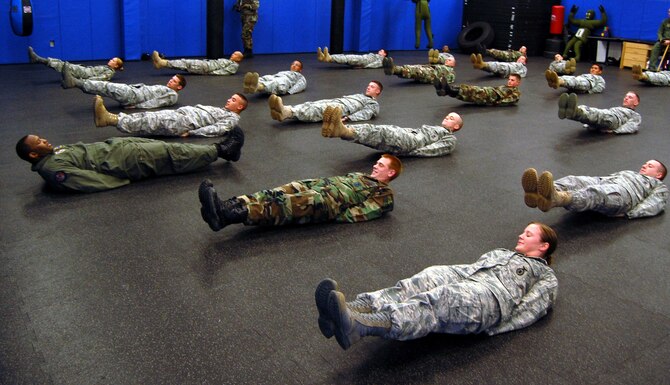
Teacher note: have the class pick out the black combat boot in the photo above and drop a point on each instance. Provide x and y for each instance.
(217, 213)
(230, 148)
(449, 89)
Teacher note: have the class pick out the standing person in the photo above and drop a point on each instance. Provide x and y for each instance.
(248, 10)
(426, 141)
(504, 290)
(490, 96)
(369, 60)
(198, 120)
(422, 14)
(661, 78)
(633, 194)
(422, 73)
(220, 67)
(91, 167)
(614, 120)
(593, 82)
(281, 83)
(500, 68)
(101, 72)
(661, 44)
(129, 95)
(355, 197)
(354, 107)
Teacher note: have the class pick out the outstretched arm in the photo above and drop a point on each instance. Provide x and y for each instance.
(651, 205)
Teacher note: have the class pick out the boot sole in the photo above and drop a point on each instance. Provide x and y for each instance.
(545, 188)
(571, 108)
(562, 105)
(529, 183)
(321, 295)
(337, 311)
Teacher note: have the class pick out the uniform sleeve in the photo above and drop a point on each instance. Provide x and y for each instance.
(218, 129)
(651, 205)
(441, 147)
(72, 178)
(299, 86)
(379, 202)
(598, 85)
(631, 126)
(533, 306)
(366, 113)
(162, 98)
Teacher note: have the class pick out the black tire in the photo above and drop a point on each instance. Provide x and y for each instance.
(479, 32)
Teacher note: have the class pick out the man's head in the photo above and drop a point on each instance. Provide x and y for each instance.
(177, 82)
(631, 100)
(374, 89)
(296, 66)
(522, 59)
(452, 122)
(115, 63)
(596, 69)
(383, 52)
(32, 148)
(523, 50)
(450, 60)
(236, 56)
(514, 80)
(387, 168)
(558, 57)
(236, 103)
(537, 240)
(654, 169)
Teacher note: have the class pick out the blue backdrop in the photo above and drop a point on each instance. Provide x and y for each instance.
(95, 30)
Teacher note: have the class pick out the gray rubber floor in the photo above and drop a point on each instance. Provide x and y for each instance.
(130, 286)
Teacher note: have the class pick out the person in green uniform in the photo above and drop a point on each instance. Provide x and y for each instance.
(92, 167)
(422, 14)
(248, 10)
(506, 95)
(662, 43)
(354, 197)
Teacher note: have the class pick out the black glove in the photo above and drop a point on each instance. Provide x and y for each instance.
(574, 9)
(601, 8)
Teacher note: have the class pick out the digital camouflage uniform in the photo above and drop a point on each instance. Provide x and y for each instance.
(197, 120)
(657, 78)
(657, 50)
(501, 292)
(558, 66)
(355, 197)
(425, 73)
(355, 107)
(101, 72)
(370, 60)
(504, 55)
(593, 84)
(249, 13)
(132, 95)
(90, 167)
(626, 193)
(620, 120)
(284, 82)
(505, 69)
(490, 96)
(426, 141)
(204, 66)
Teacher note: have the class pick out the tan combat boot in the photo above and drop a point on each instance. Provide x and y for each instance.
(332, 126)
(102, 117)
(277, 109)
(529, 182)
(548, 197)
(158, 61)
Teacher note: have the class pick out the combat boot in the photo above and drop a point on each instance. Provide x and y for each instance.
(351, 326)
(450, 90)
(102, 117)
(433, 56)
(439, 89)
(217, 213)
(638, 74)
(477, 61)
(571, 110)
(230, 148)
(319, 54)
(277, 109)
(326, 55)
(321, 294)
(553, 80)
(571, 66)
(158, 61)
(529, 182)
(389, 66)
(332, 126)
(35, 58)
(69, 81)
(248, 53)
(250, 82)
(548, 197)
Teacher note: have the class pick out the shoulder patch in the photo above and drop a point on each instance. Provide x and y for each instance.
(60, 177)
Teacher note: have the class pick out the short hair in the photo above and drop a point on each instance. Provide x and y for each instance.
(664, 170)
(636, 95)
(600, 66)
(182, 80)
(23, 149)
(244, 99)
(377, 82)
(299, 62)
(395, 164)
(517, 76)
(547, 234)
(385, 52)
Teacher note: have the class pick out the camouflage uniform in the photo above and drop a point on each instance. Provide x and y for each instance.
(115, 162)
(657, 78)
(284, 82)
(624, 192)
(370, 60)
(593, 84)
(663, 33)
(505, 69)
(507, 55)
(490, 96)
(355, 197)
(501, 292)
(197, 120)
(425, 73)
(558, 66)
(620, 120)
(249, 12)
(101, 72)
(132, 95)
(425, 141)
(204, 66)
(355, 107)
